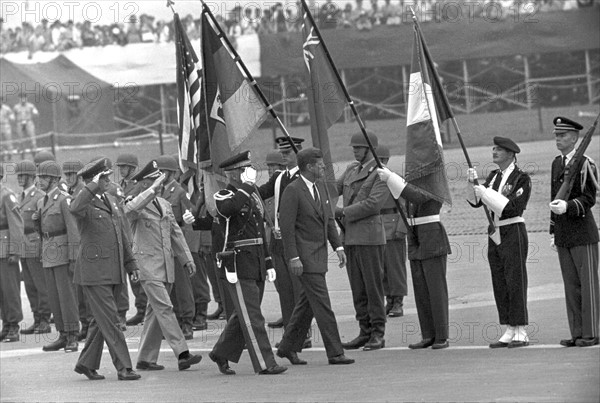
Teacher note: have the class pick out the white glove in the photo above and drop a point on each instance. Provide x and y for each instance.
(558, 207)
(384, 174)
(472, 175)
(188, 217)
(249, 175)
(96, 178)
(552, 245)
(158, 182)
(271, 275)
(479, 190)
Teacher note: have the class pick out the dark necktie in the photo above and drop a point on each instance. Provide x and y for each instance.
(157, 205)
(564, 161)
(45, 200)
(497, 181)
(105, 200)
(22, 196)
(316, 195)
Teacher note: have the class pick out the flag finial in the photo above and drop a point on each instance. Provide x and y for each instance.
(170, 4)
(414, 16)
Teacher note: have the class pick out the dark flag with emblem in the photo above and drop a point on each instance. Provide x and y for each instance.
(326, 101)
(189, 101)
(427, 109)
(233, 109)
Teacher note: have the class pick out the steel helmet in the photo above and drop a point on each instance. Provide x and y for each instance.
(358, 140)
(49, 168)
(72, 166)
(167, 163)
(383, 151)
(43, 156)
(25, 167)
(127, 159)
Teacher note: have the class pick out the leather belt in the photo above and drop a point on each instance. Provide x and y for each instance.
(389, 211)
(48, 235)
(509, 221)
(245, 242)
(423, 220)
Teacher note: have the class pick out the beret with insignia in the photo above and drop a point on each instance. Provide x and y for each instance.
(507, 144)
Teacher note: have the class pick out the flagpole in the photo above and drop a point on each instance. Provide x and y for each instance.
(253, 82)
(436, 77)
(363, 129)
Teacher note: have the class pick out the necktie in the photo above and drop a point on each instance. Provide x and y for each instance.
(564, 161)
(287, 175)
(316, 195)
(45, 200)
(105, 200)
(157, 205)
(497, 181)
(22, 196)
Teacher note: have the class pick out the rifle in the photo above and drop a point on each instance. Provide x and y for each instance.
(574, 166)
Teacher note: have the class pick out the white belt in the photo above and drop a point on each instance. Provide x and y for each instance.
(423, 220)
(509, 221)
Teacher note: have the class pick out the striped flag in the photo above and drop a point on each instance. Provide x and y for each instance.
(427, 109)
(189, 105)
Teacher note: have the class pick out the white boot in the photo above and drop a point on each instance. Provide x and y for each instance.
(521, 334)
(508, 336)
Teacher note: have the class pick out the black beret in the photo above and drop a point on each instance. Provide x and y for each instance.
(283, 143)
(240, 160)
(150, 171)
(507, 144)
(565, 124)
(93, 168)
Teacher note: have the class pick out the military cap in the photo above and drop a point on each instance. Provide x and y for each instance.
(108, 160)
(383, 151)
(167, 163)
(128, 160)
(43, 156)
(274, 157)
(565, 125)
(283, 143)
(150, 171)
(72, 166)
(358, 140)
(49, 168)
(93, 168)
(240, 160)
(507, 144)
(25, 167)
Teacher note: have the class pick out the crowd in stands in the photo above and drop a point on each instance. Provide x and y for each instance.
(361, 15)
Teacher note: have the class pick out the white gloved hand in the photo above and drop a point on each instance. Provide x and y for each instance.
(552, 244)
(158, 182)
(384, 174)
(479, 190)
(188, 217)
(249, 175)
(96, 177)
(558, 207)
(271, 275)
(472, 175)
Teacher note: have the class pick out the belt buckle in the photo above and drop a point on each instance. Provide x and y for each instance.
(276, 233)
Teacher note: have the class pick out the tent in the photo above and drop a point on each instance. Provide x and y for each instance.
(69, 99)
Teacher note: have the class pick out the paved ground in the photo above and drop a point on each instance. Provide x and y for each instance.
(467, 371)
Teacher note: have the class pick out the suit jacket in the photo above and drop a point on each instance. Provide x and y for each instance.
(157, 239)
(11, 224)
(306, 226)
(60, 236)
(104, 253)
(577, 226)
(32, 244)
(364, 196)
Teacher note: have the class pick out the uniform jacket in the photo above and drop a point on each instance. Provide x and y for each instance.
(364, 196)
(129, 187)
(59, 230)
(245, 222)
(73, 191)
(157, 239)
(11, 224)
(306, 226)
(32, 241)
(392, 222)
(577, 226)
(104, 254)
(428, 240)
(177, 197)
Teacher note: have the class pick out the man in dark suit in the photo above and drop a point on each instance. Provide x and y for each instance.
(506, 192)
(244, 263)
(104, 256)
(306, 227)
(574, 234)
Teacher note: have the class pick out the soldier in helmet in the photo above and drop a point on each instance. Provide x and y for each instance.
(72, 179)
(127, 163)
(11, 239)
(33, 272)
(364, 196)
(59, 240)
(46, 155)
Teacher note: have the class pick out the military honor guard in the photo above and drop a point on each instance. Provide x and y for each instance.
(244, 262)
(574, 234)
(506, 192)
(364, 196)
(103, 258)
(11, 240)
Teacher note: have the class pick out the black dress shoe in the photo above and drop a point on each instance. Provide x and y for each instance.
(498, 344)
(274, 370)
(72, 346)
(12, 336)
(277, 324)
(149, 366)
(425, 343)
(128, 374)
(91, 374)
(376, 342)
(586, 342)
(569, 342)
(191, 359)
(222, 364)
(292, 356)
(439, 345)
(340, 360)
(356, 343)
(29, 330)
(136, 319)
(57, 345)
(199, 324)
(516, 344)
